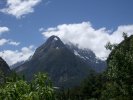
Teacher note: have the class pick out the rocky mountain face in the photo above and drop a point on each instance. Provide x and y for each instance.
(89, 57)
(66, 65)
(4, 68)
(12, 67)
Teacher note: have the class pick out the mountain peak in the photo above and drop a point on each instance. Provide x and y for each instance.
(53, 37)
(54, 42)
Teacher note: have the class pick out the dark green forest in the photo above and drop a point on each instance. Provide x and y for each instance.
(115, 83)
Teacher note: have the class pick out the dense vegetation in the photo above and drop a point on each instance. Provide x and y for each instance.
(120, 71)
(16, 88)
(116, 83)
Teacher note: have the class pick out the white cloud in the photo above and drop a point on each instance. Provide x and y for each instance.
(18, 8)
(47, 3)
(12, 57)
(3, 41)
(6, 41)
(14, 43)
(88, 37)
(9, 42)
(3, 30)
(41, 29)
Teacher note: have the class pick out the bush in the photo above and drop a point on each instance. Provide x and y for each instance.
(39, 89)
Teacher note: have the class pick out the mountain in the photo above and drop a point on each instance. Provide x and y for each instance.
(4, 67)
(63, 66)
(89, 57)
(16, 65)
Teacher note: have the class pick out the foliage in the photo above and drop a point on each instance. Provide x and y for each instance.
(43, 86)
(18, 89)
(124, 35)
(119, 71)
(110, 46)
(90, 89)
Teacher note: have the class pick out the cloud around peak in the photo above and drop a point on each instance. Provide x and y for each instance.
(19, 8)
(86, 36)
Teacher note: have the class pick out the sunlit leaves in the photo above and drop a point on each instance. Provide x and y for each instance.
(39, 89)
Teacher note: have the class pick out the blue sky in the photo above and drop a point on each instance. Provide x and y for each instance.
(24, 25)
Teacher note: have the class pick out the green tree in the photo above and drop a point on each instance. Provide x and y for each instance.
(110, 46)
(43, 86)
(120, 71)
(124, 35)
(18, 89)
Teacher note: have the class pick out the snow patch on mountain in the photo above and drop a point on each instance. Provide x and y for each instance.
(77, 54)
(55, 39)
